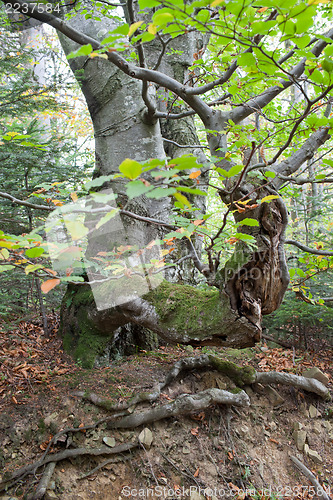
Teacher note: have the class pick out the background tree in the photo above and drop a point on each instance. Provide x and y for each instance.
(37, 151)
(226, 63)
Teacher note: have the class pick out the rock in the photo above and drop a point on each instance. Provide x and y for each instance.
(243, 430)
(313, 454)
(317, 374)
(186, 450)
(146, 437)
(109, 441)
(300, 438)
(50, 495)
(211, 469)
(50, 418)
(196, 496)
(273, 396)
(317, 428)
(327, 425)
(313, 412)
(297, 426)
(249, 391)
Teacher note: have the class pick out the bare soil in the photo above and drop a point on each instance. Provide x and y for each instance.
(218, 453)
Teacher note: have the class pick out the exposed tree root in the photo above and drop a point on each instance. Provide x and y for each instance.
(240, 375)
(62, 455)
(184, 404)
(44, 482)
(307, 384)
(319, 490)
(100, 466)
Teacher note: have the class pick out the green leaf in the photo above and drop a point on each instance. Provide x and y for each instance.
(236, 169)
(182, 199)
(103, 196)
(300, 272)
(292, 272)
(160, 192)
(248, 222)
(34, 252)
(99, 181)
(246, 60)
(6, 268)
(162, 19)
(137, 188)
(327, 64)
(30, 268)
(72, 278)
(270, 174)
(107, 217)
(130, 168)
(320, 176)
(4, 254)
(191, 190)
(85, 50)
(303, 41)
(148, 4)
(76, 229)
(244, 237)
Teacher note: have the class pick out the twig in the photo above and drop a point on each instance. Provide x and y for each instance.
(320, 492)
(277, 341)
(100, 466)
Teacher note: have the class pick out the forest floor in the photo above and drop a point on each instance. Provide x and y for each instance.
(220, 452)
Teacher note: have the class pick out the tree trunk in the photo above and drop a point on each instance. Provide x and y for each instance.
(251, 283)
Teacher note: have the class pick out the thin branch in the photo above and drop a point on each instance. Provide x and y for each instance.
(308, 249)
(299, 121)
(177, 116)
(260, 101)
(304, 180)
(197, 146)
(25, 203)
(164, 46)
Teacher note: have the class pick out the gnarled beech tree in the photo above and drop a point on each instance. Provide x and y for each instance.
(258, 75)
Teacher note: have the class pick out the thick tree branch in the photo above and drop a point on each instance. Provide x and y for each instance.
(143, 74)
(304, 153)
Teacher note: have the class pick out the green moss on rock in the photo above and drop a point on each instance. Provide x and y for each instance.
(187, 309)
(84, 341)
